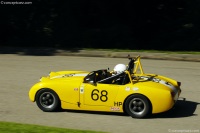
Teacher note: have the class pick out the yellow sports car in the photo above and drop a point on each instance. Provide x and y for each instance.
(129, 90)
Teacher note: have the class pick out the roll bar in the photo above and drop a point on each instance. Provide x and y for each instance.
(133, 65)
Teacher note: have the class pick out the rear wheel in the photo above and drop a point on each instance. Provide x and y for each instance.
(47, 100)
(138, 106)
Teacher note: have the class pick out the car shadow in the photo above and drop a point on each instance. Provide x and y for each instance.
(96, 112)
(182, 108)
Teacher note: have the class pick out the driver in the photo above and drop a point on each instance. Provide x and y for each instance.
(119, 68)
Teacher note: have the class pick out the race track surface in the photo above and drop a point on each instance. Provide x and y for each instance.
(19, 73)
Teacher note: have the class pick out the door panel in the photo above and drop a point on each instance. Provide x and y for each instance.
(100, 94)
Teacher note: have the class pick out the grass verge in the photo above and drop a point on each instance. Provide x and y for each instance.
(148, 51)
(10, 127)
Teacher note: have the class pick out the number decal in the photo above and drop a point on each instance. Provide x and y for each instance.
(103, 96)
(95, 95)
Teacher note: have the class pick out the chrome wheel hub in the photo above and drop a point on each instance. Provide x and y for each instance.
(47, 100)
(137, 106)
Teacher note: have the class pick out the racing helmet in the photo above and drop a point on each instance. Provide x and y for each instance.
(119, 68)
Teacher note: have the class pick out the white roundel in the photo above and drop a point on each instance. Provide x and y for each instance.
(119, 68)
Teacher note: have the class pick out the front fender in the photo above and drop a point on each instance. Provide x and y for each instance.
(33, 91)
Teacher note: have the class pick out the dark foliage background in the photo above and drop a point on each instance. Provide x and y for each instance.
(129, 24)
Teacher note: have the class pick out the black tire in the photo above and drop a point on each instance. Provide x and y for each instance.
(137, 106)
(47, 100)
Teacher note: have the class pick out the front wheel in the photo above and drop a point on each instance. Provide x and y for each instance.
(138, 106)
(47, 100)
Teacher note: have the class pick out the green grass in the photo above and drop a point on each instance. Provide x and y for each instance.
(10, 127)
(148, 51)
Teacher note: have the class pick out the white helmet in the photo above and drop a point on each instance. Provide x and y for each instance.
(119, 68)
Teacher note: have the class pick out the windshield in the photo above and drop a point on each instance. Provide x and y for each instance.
(97, 75)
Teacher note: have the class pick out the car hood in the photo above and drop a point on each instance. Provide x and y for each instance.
(65, 75)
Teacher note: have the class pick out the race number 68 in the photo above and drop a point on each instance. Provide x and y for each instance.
(102, 96)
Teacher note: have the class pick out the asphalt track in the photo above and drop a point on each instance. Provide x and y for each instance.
(19, 73)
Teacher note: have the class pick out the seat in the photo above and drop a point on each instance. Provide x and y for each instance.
(126, 80)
